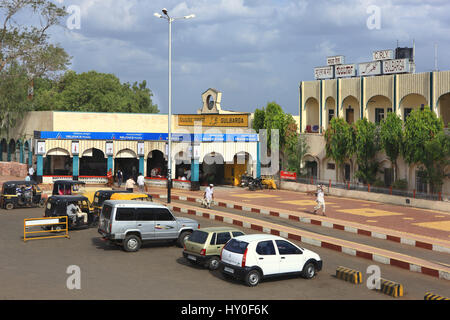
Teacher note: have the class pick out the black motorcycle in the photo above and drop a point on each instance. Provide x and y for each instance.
(245, 181)
(254, 184)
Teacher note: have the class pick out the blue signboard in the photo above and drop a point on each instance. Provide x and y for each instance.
(176, 137)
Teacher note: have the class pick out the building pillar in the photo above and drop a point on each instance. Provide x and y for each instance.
(9, 153)
(22, 155)
(30, 153)
(258, 160)
(141, 165)
(195, 168)
(110, 164)
(75, 167)
(39, 168)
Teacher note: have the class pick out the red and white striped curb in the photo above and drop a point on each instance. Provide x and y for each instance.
(323, 223)
(350, 248)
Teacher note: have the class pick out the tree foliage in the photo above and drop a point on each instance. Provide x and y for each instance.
(391, 138)
(339, 142)
(93, 92)
(366, 147)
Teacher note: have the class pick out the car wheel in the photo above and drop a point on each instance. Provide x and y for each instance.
(131, 243)
(9, 206)
(213, 263)
(182, 238)
(252, 278)
(309, 270)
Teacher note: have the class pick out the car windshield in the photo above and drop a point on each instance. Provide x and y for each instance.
(236, 246)
(198, 236)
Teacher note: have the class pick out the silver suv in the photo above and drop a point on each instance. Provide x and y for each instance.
(130, 223)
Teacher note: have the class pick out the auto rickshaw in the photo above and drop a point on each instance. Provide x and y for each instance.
(16, 194)
(68, 187)
(132, 196)
(101, 196)
(60, 206)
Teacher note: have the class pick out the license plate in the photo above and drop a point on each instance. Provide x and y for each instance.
(192, 258)
(229, 270)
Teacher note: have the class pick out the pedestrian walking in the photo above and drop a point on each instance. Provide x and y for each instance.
(208, 196)
(141, 182)
(110, 178)
(129, 185)
(119, 177)
(320, 200)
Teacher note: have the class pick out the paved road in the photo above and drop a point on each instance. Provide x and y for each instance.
(37, 270)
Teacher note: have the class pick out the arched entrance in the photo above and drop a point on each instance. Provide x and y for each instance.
(444, 109)
(411, 102)
(311, 166)
(377, 108)
(182, 165)
(242, 164)
(330, 107)
(93, 163)
(156, 164)
(350, 105)
(3, 150)
(127, 161)
(57, 162)
(312, 115)
(12, 150)
(212, 169)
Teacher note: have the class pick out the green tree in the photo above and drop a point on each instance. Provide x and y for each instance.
(426, 145)
(258, 119)
(93, 92)
(391, 138)
(339, 142)
(366, 147)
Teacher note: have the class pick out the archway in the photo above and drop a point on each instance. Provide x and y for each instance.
(182, 165)
(156, 164)
(444, 109)
(58, 162)
(377, 108)
(212, 169)
(3, 150)
(242, 165)
(312, 115)
(12, 150)
(411, 102)
(26, 150)
(311, 165)
(350, 105)
(127, 161)
(93, 163)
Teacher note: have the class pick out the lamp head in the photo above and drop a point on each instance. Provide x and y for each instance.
(164, 10)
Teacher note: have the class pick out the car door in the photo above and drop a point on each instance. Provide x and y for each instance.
(165, 224)
(267, 258)
(221, 239)
(145, 222)
(291, 257)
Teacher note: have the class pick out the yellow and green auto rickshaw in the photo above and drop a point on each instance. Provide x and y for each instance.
(18, 194)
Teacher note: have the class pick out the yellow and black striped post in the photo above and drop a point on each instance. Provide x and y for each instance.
(432, 296)
(391, 288)
(349, 275)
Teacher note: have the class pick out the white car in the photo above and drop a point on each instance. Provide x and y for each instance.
(257, 256)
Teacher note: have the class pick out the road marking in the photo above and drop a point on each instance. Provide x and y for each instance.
(303, 202)
(369, 212)
(254, 195)
(439, 225)
(372, 221)
(408, 218)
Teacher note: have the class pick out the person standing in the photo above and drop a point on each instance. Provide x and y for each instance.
(320, 200)
(129, 185)
(141, 182)
(30, 172)
(110, 178)
(119, 177)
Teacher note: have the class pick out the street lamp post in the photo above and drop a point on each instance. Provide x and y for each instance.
(169, 152)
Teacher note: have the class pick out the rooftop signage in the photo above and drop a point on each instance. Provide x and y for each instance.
(370, 68)
(383, 55)
(345, 70)
(336, 60)
(214, 120)
(324, 73)
(396, 66)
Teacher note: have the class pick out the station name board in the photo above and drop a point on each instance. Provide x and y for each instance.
(396, 66)
(324, 73)
(383, 55)
(214, 120)
(332, 61)
(370, 68)
(345, 70)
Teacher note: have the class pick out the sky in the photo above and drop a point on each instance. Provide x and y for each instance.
(254, 51)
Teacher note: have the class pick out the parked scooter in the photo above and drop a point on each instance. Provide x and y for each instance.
(245, 179)
(255, 184)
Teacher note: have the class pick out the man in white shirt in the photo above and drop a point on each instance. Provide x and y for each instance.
(74, 211)
(141, 182)
(129, 185)
(31, 172)
(208, 196)
(320, 200)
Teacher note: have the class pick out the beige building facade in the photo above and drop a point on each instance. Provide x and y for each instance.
(372, 98)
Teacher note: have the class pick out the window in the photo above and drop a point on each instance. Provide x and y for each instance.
(389, 110)
(198, 236)
(213, 239)
(406, 113)
(265, 248)
(223, 237)
(237, 233)
(236, 246)
(162, 214)
(125, 214)
(379, 115)
(285, 247)
(330, 115)
(145, 214)
(331, 166)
